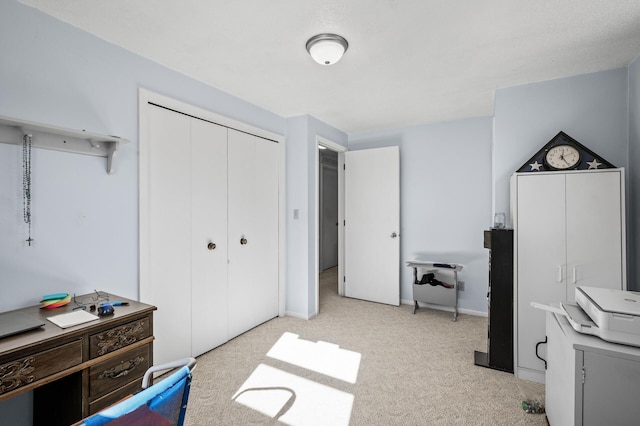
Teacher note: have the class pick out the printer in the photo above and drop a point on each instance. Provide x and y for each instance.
(612, 315)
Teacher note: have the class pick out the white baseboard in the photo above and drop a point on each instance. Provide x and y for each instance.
(445, 308)
(404, 302)
(298, 315)
(531, 375)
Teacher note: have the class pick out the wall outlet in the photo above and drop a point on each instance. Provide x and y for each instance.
(460, 285)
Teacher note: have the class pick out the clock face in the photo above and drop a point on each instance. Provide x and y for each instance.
(562, 157)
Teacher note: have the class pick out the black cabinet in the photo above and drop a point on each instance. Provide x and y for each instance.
(499, 353)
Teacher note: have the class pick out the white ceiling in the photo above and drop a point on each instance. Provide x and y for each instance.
(409, 61)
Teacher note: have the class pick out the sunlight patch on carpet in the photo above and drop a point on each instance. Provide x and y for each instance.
(321, 357)
(294, 400)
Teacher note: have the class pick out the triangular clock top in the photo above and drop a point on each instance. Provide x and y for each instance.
(564, 153)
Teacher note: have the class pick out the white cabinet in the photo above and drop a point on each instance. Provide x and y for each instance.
(568, 231)
(589, 381)
(209, 243)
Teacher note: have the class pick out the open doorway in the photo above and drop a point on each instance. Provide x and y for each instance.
(327, 222)
(329, 219)
(328, 209)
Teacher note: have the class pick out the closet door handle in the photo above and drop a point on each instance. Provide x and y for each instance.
(243, 241)
(574, 275)
(211, 246)
(559, 273)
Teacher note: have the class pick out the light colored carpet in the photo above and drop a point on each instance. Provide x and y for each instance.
(415, 369)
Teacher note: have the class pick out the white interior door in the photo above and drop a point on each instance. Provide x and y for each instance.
(372, 229)
(169, 244)
(209, 236)
(252, 231)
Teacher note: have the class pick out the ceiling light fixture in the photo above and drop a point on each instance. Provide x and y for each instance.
(327, 49)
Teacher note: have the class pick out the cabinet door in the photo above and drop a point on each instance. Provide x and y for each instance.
(594, 231)
(611, 388)
(560, 377)
(541, 254)
(208, 225)
(252, 231)
(169, 244)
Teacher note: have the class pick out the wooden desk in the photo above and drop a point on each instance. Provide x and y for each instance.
(77, 371)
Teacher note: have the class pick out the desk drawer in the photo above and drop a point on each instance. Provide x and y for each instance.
(117, 372)
(115, 396)
(118, 337)
(32, 368)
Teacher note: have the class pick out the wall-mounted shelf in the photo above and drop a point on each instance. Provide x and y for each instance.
(44, 136)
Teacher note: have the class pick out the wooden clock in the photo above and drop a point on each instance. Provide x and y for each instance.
(564, 153)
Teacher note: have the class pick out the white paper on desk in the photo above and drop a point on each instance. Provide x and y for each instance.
(72, 318)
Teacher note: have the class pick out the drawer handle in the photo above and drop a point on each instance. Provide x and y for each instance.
(544, 342)
(122, 369)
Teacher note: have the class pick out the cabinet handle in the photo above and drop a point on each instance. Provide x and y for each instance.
(121, 370)
(559, 273)
(574, 275)
(211, 246)
(243, 241)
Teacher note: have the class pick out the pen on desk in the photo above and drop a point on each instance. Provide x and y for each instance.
(79, 307)
(116, 303)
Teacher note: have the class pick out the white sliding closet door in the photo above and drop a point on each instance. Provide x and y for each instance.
(208, 236)
(188, 210)
(252, 231)
(204, 187)
(169, 245)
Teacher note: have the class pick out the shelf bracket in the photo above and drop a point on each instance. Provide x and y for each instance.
(112, 148)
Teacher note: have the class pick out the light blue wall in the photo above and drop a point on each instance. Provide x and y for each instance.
(302, 176)
(445, 199)
(633, 175)
(85, 222)
(298, 244)
(591, 108)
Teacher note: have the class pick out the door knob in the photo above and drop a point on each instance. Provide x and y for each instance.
(243, 241)
(211, 246)
(394, 235)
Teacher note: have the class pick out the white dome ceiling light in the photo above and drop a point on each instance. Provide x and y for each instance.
(327, 49)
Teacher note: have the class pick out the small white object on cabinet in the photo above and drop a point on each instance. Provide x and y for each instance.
(569, 230)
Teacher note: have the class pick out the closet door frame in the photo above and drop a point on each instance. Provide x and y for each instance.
(144, 98)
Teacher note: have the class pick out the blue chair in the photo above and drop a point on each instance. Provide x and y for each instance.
(164, 403)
